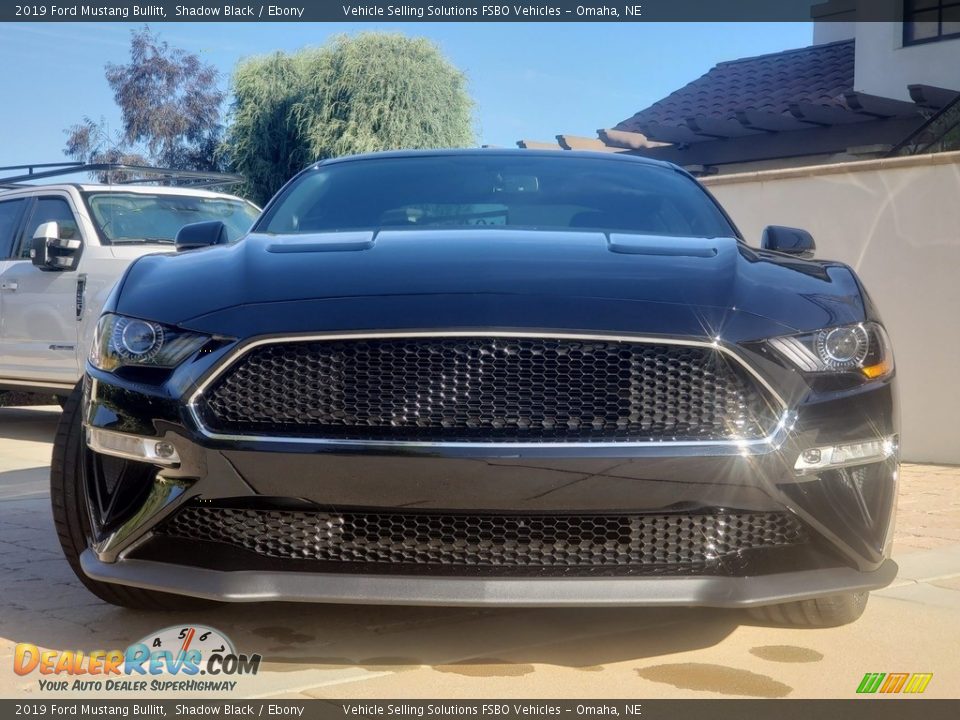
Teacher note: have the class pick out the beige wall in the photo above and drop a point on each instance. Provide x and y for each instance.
(897, 222)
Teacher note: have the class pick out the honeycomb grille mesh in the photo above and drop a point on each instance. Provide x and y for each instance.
(531, 541)
(487, 389)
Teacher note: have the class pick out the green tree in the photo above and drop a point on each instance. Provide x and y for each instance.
(170, 106)
(263, 142)
(372, 91)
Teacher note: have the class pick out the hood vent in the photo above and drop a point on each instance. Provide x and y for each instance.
(659, 245)
(322, 242)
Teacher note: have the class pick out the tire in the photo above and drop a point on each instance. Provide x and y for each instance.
(829, 611)
(68, 500)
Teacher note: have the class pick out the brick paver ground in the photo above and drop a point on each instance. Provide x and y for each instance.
(928, 511)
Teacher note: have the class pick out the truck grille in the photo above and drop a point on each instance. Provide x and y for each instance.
(487, 389)
(481, 540)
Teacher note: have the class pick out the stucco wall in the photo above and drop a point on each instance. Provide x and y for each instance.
(897, 222)
(833, 31)
(885, 67)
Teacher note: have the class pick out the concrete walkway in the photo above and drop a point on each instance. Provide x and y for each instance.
(392, 652)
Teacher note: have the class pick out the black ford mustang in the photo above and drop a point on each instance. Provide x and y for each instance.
(472, 377)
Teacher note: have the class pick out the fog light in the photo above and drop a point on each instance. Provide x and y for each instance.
(132, 447)
(165, 450)
(834, 456)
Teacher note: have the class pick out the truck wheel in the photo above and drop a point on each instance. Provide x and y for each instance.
(68, 499)
(829, 611)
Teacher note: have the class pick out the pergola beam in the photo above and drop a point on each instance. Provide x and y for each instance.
(776, 146)
(720, 128)
(626, 140)
(825, 115)
(929, 96)
(878, 106)
(673, 134)
(576, 142)
(768, 121)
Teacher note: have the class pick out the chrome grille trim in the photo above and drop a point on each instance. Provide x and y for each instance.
(775, 438)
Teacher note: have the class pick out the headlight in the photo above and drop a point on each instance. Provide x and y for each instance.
(123, 341)
(863, 348)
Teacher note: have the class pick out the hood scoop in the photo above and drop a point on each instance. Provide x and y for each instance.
(322, 242)
(660, 245)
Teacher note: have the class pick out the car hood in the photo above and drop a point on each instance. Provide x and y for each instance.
(502, 278)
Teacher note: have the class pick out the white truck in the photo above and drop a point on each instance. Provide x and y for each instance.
(64, 246)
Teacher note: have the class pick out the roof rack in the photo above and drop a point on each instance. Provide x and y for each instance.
(180, 178)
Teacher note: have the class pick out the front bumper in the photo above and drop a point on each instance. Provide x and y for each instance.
(847, 517)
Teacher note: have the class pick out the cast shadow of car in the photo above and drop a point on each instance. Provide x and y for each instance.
(51, 609)
(30, 423)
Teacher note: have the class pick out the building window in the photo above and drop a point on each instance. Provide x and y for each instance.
(930, 20)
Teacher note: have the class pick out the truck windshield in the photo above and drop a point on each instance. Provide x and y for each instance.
(125, 218)
(538, 191)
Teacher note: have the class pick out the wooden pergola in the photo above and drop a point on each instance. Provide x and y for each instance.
(795, 104)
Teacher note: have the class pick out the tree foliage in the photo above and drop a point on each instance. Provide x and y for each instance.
(170, 107)
(264, 143)
(372, 91)
(89, 141)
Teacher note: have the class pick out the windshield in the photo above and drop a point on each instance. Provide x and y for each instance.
(124, 218)
(496, 190)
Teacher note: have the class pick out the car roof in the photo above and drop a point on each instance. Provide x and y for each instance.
(515, 152)
(135, 189)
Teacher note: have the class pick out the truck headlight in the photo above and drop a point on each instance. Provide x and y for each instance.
(120, 341)
(863, 348)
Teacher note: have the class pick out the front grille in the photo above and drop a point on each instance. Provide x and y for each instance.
(487, 389)
(450, 541)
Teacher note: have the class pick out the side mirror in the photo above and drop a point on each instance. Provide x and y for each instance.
(48, 251)
(201, 234)
(791, 241)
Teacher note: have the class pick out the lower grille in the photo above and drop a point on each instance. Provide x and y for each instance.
(488, 389)
(493, 541)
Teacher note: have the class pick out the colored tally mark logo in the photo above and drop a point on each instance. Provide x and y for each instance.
(913, 683)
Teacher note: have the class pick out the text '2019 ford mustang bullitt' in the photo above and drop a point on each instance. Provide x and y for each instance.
(486, 377)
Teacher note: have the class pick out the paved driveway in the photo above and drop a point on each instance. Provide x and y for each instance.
(368, 652)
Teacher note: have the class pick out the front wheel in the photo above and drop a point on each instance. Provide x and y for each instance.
(68, 498)
(829, 611)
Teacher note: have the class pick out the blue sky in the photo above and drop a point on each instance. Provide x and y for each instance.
(530, 80)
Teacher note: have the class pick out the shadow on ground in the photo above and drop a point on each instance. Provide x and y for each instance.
(294, 637)
(34, 424)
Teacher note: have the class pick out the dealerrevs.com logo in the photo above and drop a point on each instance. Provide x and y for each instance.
(888, 683)
(185, 651)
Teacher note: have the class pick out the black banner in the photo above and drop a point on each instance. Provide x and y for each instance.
(866, 709)
(458, 11)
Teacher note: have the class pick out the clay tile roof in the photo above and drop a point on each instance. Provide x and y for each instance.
(768, 83)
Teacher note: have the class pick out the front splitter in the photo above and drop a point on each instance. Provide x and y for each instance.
(697, 591)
